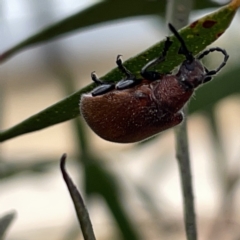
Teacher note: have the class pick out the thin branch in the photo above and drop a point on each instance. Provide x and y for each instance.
(183, 158)
(82, 213)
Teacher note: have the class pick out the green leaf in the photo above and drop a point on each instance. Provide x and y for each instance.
(197, 35)
(96, 14)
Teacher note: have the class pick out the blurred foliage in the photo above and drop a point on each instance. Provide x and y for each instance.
(107, 185)
(96, 14)
(5, 222)
(14, 168)
(196, 36)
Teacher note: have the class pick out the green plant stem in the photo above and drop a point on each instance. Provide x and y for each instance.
(178, 13)
(82, 213)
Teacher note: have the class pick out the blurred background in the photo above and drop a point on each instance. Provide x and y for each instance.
(132, 191)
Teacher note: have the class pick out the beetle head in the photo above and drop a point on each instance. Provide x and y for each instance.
(192, 73)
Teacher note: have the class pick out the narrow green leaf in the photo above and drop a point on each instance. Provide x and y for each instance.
(197, 35)
(95, 14)
(80, 208)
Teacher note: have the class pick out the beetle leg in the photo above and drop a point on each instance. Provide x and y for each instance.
(123, 69)
(183, 49)
(102, 88)
(152, 75)
(130, 79)
(126, 83)
(96, 79)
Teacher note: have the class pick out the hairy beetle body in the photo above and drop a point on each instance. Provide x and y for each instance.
(136, 113)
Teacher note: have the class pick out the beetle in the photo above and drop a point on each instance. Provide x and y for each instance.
(135, 109)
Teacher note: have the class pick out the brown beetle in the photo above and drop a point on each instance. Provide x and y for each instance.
(135, 109)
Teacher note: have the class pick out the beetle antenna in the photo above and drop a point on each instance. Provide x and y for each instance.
(183, 50)
(226, 56)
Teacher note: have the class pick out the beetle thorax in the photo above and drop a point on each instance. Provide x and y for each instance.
(191, 73)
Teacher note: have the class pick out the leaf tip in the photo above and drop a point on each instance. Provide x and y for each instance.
(62, 162)
(234, 4)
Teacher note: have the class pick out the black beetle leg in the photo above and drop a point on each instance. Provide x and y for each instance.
(183, 49)
(152, 75)
(103, 87)
(130, 79)
(96, 79)
(123, 69)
